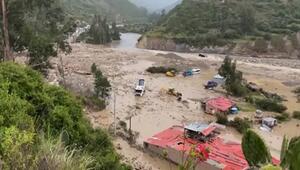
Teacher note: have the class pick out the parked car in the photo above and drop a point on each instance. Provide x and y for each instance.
(202, 55)
(140, 88)
(211, 85)
(187, 73)
(196, 71)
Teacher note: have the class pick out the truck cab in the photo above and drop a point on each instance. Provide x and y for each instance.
(140, 87)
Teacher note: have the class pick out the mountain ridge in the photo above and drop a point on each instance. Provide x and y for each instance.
(259, 26)
(154, 5)
(119, 10)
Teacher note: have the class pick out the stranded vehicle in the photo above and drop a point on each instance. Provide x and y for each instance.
(140, 88)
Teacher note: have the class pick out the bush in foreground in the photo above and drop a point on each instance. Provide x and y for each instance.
(255, 149)
(30, 107)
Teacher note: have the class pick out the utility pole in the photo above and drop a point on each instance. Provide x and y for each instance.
(130, 132)
(115, 123)
(6, 45)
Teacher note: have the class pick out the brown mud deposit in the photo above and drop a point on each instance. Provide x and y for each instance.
(156, 110)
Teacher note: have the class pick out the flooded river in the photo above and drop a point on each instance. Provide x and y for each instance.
(128, 41)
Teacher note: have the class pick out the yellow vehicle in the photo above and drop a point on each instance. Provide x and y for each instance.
(171, 74)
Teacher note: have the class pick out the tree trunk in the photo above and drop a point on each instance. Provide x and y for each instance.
(7, 55)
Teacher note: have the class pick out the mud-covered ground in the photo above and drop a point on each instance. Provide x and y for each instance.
(156, 110)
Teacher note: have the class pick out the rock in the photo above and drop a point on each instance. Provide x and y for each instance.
(119, 146)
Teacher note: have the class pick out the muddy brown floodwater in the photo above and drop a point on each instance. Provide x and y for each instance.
(156, 111)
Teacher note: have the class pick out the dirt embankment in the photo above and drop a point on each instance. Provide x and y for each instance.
(283, 47)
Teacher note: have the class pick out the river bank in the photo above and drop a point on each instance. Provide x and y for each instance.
(246, 48)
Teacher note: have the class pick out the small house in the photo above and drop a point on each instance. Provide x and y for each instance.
(269, 121)
(219, 105)
(200, 131)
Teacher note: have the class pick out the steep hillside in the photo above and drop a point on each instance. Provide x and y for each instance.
(120, 10)
(258, 23)
(154, 5)
(169, 7)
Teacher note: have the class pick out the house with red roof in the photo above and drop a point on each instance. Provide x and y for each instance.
(218, 105)
(174, 144)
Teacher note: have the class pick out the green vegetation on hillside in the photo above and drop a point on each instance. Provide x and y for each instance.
(37, 27)
(120, 10)
(35, 116)
(216, 23)
(100, 32)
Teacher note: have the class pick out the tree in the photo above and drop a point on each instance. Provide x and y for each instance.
(255, 150)
(101, 83)
(247, 17)
(234, 78)
(94, 68)
(36, 26)
(115, 34)
(290, 153)
(99, 32)
(6, 45)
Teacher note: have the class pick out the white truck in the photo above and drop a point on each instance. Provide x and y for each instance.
(140, 88)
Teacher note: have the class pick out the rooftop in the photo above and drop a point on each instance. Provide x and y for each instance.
(226, 154)
(221, 103)
(200, 128)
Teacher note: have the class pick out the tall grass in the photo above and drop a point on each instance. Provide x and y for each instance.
(54, 155)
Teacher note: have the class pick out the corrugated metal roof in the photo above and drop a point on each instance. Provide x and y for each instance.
(221, 103)
(227, 155)
(196, 127)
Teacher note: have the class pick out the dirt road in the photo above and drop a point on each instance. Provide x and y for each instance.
(156, 110)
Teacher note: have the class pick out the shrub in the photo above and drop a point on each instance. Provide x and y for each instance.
(296, 115)
(52, 154)
(94, 68)
(278, 43)
(94, 103)
(283, 117)
(260, 45)
(270, 105)
(237, 89)
(160, 69)
(123, 124)
(297, 90)
(267, 37)
(241, 125)
(231, 34)
(222, 118)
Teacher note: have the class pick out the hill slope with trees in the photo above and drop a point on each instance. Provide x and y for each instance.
(202, 23)
(44, 127)
(119, 10)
